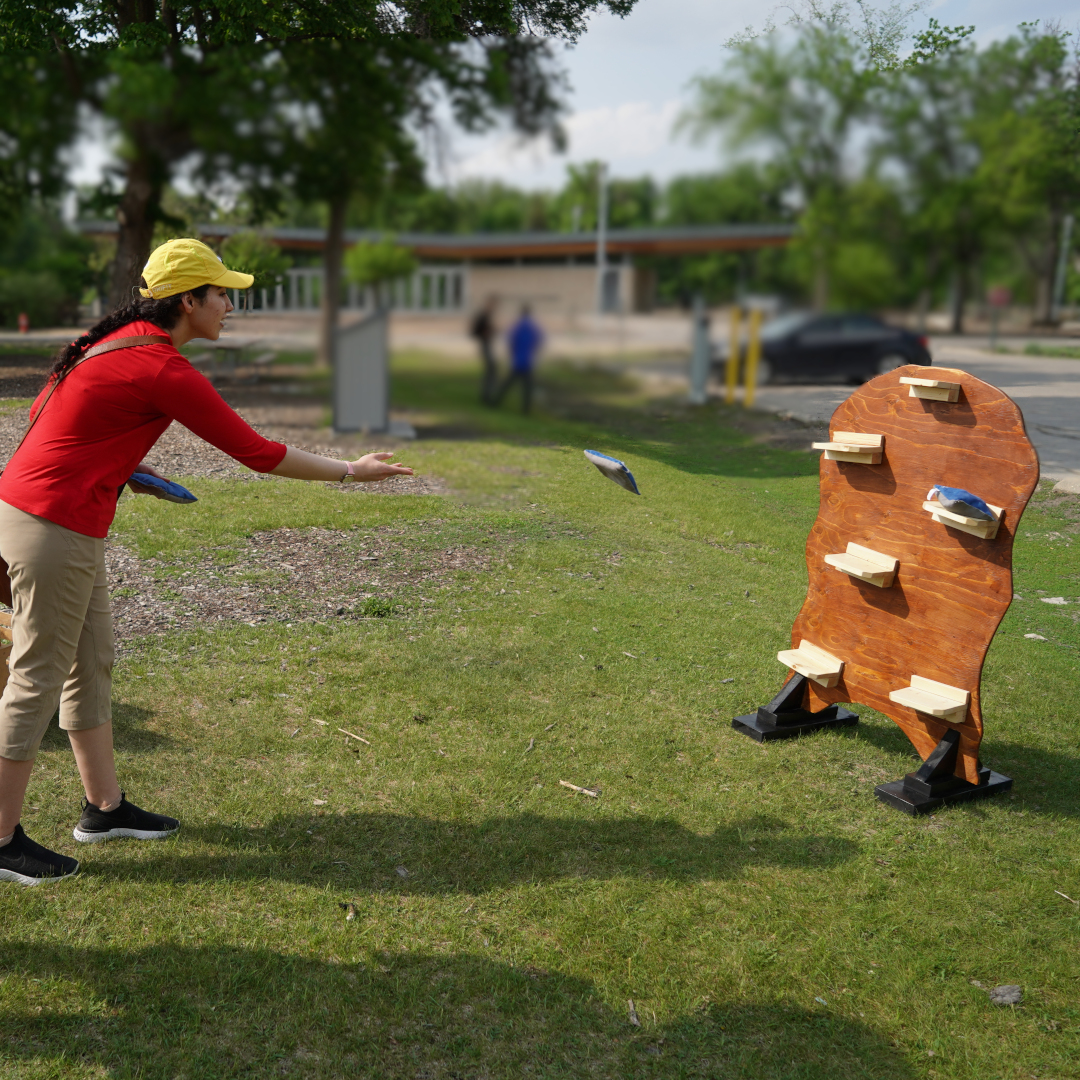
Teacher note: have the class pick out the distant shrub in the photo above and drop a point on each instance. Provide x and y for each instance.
(377, 263)
(39, 293)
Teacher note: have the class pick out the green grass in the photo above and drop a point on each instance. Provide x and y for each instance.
(27, 349)
(766, 914)
(1053, 352)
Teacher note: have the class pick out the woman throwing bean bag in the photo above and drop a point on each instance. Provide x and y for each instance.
(111, 395)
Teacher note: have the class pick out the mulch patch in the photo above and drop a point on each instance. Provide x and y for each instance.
(281, 575)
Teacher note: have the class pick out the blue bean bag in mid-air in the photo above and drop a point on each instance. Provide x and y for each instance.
(613, 469)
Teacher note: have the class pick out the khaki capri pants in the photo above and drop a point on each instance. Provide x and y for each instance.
(62, 634)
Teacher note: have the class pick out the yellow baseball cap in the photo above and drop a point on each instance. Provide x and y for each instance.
(178, 266)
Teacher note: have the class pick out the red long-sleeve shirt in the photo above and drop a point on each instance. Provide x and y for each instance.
(101, 422)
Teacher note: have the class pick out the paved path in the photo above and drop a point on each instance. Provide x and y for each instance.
(1047, 391)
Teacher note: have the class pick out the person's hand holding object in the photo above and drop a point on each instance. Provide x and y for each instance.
(143, 489)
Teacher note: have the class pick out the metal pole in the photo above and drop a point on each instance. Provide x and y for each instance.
(753, 355)
(699, 357)
(731, 372)
(601, 236)
(1062, 267)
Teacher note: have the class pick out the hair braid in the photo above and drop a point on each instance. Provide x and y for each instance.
(163, 313)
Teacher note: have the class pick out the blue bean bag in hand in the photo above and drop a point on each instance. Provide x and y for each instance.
(613, 469)
(959, 501)
(165, 489)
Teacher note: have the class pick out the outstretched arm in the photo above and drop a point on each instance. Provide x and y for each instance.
(182, 393)
(300, 465)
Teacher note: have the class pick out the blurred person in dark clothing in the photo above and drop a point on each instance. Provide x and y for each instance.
(524, 339)
(484, 330)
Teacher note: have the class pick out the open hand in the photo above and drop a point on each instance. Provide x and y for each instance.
(374, 467)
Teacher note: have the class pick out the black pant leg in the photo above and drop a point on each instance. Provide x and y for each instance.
(489, 379)
(526, 391)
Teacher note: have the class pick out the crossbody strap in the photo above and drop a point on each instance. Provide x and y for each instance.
(97, 350)
(122, 343)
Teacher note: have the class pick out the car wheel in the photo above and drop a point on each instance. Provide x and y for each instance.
(891, 363)
(764, 372)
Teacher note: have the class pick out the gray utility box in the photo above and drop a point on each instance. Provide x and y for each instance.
(362, 375)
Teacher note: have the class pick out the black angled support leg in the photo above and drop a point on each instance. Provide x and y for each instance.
(785, 718)
(936, 784)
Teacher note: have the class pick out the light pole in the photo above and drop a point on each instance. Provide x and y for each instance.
(601, 236)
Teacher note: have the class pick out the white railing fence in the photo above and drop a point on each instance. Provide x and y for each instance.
(431, 289)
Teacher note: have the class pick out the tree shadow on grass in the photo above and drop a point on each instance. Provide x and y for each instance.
(362, 852)
(703, 443)
(210, 1013)
(130, 733)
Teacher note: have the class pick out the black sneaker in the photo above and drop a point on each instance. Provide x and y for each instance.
(126, 820)
(28, 863)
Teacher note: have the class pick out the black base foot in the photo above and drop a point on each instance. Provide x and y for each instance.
(785, 718)
(912, 802)
(762, 727)
(935, 784)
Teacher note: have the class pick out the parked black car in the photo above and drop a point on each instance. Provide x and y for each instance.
(802, 347)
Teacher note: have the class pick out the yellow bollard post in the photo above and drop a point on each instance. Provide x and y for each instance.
(734, 351)
(753, 355)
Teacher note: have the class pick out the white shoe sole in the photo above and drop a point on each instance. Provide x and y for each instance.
(119, 834)
(23, 879)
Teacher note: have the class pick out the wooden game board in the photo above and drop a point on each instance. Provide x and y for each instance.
(934, 615)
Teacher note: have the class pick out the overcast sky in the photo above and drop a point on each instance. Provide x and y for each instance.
(630, 77)
(629, 82)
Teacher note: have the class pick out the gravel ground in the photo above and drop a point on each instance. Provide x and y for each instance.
(287, 575)
(283, 575)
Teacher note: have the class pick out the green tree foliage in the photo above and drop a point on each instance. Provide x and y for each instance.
(746, 194)
(44, 268)
(925, 111)
(797, 97)
(379, 262)
(911, 177)
(1027, 125)
(180, 80)
(252, 253)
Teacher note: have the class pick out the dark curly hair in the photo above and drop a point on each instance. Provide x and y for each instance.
(162, 313)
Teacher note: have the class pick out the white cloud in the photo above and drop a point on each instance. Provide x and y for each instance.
(634, 137)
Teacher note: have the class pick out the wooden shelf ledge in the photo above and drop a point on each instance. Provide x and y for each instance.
(866, 565)
(976, 526)
(814, 663)
(853, 446)
(932, 389)
(934, 698)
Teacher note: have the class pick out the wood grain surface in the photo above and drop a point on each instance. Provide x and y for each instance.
(952, 589)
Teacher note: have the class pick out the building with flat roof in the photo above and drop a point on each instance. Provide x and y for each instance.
(556, 273)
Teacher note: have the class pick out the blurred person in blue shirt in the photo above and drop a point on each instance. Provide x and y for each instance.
(524, 339)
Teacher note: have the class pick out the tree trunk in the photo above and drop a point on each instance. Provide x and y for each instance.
(959, 299)
(331, 296)
(926, 294)
(135, 216)
(821, 280)
(1045, 274)
(1041, 254)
